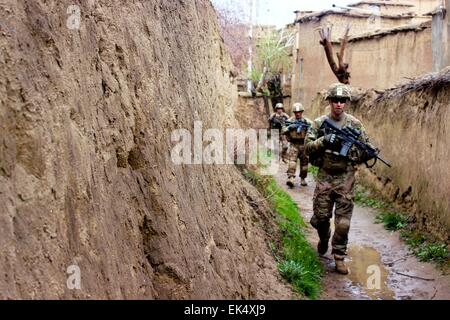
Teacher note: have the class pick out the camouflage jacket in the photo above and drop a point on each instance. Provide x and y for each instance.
(320, 156)
(276, 121)
(297, 137)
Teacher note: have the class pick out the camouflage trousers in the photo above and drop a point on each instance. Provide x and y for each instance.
(334, 191)
(297, 151)
(284, 146)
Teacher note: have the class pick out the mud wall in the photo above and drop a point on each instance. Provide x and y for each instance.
(251, 113)
(86, 177)
(425, 6)
(418, 6)
(388, 8)
(411, 127)
(384, 62)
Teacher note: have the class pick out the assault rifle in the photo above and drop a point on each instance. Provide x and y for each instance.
(349, 137)
(277, 123)
(299, 125)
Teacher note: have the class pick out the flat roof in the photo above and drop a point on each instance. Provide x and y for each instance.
(438, 10)
(385, 32)
(382, 3)
(320, 14)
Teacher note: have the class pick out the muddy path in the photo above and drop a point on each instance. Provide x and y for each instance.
(372, 249)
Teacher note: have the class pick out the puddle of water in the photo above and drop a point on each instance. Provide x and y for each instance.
(368, 272)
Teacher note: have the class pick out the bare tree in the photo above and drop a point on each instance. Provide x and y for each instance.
(272, 59)
(341, 68)
(234, 33)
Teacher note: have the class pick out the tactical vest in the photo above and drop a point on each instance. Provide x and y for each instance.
(297, 137)
(277, 120)
(330, 160)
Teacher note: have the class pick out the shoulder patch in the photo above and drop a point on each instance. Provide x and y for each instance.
(354, 122)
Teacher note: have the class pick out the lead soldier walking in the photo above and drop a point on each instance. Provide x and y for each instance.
(336, 176)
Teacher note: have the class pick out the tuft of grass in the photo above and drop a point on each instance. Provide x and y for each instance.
(413, 239)
(298, 262)
(362, 198)
(434, 252)
(300, 277)
(314, 171)
(392, 221)
(425, 250)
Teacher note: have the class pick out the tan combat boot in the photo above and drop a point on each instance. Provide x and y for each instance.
(303, 182)
(290, 182)
(341, 267)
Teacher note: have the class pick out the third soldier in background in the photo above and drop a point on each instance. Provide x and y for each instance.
(277, 121)
(336, 176)
(296, 139)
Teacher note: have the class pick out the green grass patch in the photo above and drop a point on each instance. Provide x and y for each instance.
(362, 197)
(424, 249)
(436, 252)
(297, 262)
(413, 239)
(392, 221)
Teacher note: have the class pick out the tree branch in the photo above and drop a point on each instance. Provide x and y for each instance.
(344, 42)
(340, 69)
(325, 35)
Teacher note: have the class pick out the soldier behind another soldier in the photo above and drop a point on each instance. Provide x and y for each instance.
(336, 176)
(277, 121)
(297, 146)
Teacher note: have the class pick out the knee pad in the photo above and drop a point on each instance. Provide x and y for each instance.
(343, 226)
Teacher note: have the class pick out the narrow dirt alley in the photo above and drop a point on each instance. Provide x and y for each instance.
(403, 277)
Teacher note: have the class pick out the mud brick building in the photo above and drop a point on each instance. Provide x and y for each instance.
(390, 42)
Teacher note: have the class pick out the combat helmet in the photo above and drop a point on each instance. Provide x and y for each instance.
(339, 90)
(279, 105)
(298, 107)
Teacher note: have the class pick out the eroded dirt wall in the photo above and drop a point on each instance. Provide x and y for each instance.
(86, 176)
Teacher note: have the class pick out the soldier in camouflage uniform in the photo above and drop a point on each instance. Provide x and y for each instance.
(336, 176)
(274, 87)
(277, 121)
(297, 147)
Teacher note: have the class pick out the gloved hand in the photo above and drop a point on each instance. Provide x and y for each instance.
(276, 120)
(330, 140)
(364, 156)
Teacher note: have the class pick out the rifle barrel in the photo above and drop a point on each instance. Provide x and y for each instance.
(354, 138)
(385, 162)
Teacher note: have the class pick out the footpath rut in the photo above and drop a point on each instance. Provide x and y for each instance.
(371, 249)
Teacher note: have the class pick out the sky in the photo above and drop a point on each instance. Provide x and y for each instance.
(280, 12)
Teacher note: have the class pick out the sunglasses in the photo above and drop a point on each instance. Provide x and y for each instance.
(337, 100)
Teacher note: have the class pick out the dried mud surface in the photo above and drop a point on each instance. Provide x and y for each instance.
(86, 177)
